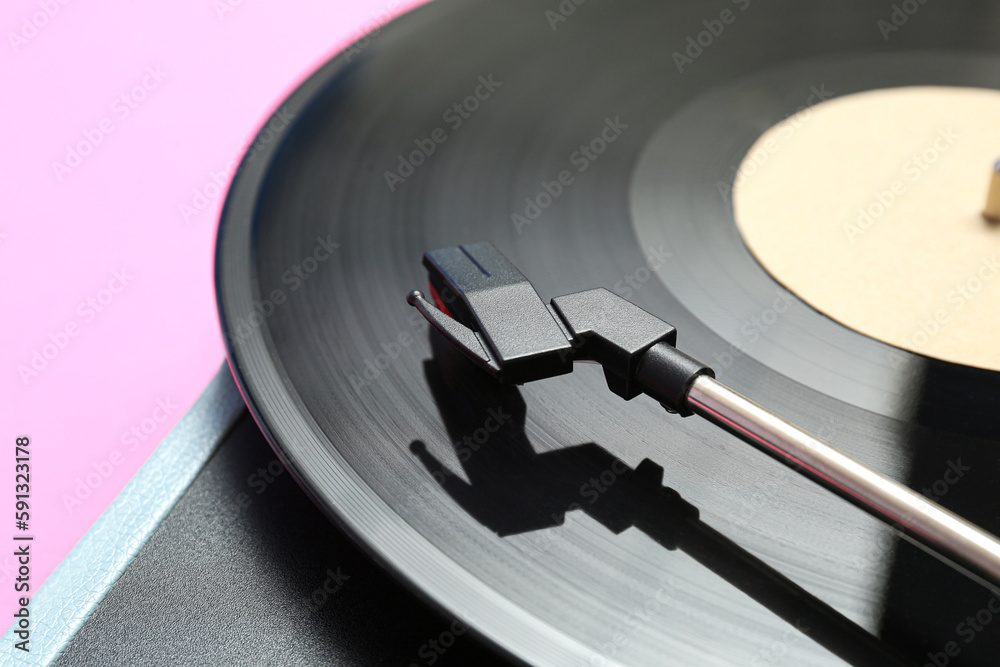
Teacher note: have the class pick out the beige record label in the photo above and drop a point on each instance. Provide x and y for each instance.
(869, 208)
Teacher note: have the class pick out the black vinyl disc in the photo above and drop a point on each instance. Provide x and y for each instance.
(586, 141)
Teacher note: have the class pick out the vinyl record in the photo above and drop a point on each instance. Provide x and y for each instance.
(572, 137)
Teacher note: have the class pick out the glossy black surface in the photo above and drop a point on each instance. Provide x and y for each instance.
(245, 570)
(333, 363)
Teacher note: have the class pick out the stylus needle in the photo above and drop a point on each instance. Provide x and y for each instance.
(487, 309)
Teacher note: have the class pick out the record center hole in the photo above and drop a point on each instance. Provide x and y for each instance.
(870, 208)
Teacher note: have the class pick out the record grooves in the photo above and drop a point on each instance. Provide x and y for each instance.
(389, 431)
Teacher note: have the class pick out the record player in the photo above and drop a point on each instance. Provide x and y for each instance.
(700, 164)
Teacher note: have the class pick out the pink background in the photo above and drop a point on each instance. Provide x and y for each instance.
(86, 355)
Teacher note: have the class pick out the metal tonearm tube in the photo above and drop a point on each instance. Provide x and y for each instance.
(489, 310)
